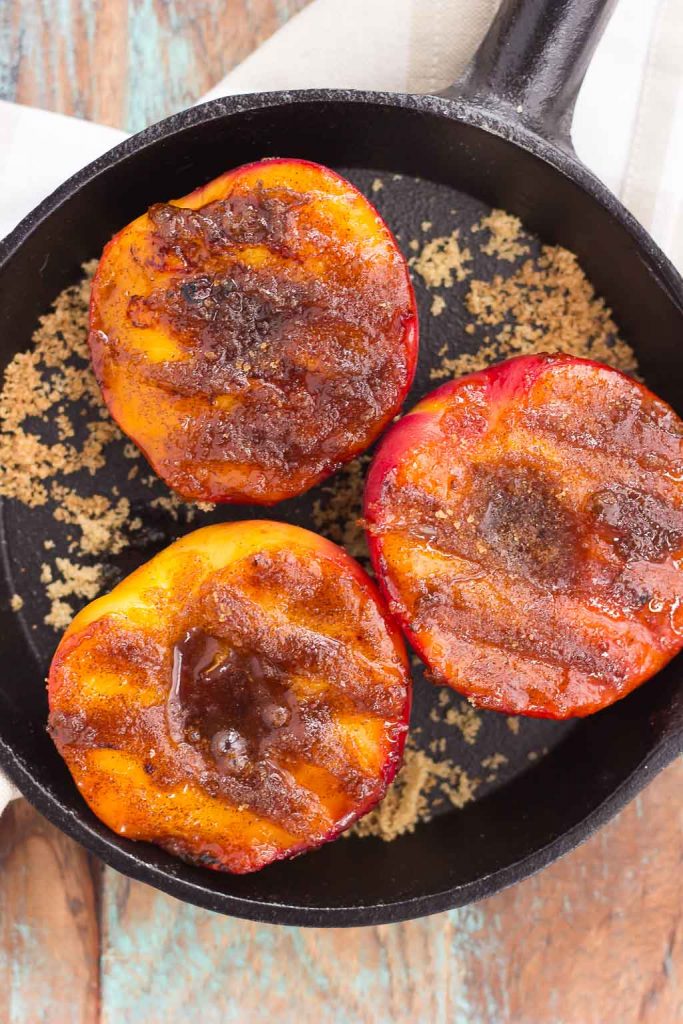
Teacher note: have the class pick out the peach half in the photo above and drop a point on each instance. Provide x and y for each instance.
(256, 334)
(526, 525)
(239, 699)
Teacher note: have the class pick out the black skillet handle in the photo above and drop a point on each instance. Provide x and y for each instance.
(532, 62)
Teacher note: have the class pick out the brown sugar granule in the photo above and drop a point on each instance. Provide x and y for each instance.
(406, 805)
(34, 383)
(458, 366)
(547, 305)
(464, 717)
(104, 524)
(337, 514)
(405, 801)
(438, 305)
(438, 745)
(506, 237)
(81, 581)
(64, 426)
(442, 261)
(458, 787)
(16, 602)
(494, 762)
(60, 615)
(171, 504)
(43, 443)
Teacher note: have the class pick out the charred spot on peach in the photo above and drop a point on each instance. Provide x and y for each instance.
(255, 334)
(526, 525)
(239, 699)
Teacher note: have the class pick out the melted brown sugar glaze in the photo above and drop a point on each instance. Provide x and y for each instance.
(236, 694)
(553, 537)
(293, 339)
(309, 361)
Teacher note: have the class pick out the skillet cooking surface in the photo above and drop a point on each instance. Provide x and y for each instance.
(409, 205)
(544, 770)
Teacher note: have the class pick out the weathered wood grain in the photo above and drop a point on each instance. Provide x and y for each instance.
(49, 934)
(598, 937)
(127, 62)
(594, 939)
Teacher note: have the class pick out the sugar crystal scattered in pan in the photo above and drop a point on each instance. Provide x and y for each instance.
(493, 291)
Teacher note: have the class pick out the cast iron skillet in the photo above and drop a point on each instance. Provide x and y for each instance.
(499, 137)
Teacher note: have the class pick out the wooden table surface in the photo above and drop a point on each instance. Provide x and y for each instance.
(595, 939)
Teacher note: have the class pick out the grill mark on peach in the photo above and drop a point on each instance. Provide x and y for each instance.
(249, 630)
(637, 429)
(616, 591)
(148, 818)
(311, 595)
(258, 216)
(561, 514)
(299, 377)
(542, 538)
(269, 790)
(243, 324)
(504, 681)
(507, 521)
(244, 623)
(539, 633)
(619, 589)
(496, 598)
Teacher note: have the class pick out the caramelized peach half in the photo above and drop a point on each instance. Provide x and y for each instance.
(255, 334)
(526, 523)
(239, 699)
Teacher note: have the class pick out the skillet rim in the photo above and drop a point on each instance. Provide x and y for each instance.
(70, 821)
(506, 124)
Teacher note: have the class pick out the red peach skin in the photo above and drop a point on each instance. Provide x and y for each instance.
(526, 526)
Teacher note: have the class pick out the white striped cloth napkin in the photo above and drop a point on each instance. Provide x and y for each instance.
(628, 126)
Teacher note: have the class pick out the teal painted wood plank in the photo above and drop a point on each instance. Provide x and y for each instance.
(127, 62)
(594, 939)
(166, 961)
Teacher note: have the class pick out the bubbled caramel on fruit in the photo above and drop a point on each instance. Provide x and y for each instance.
(237, 700)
